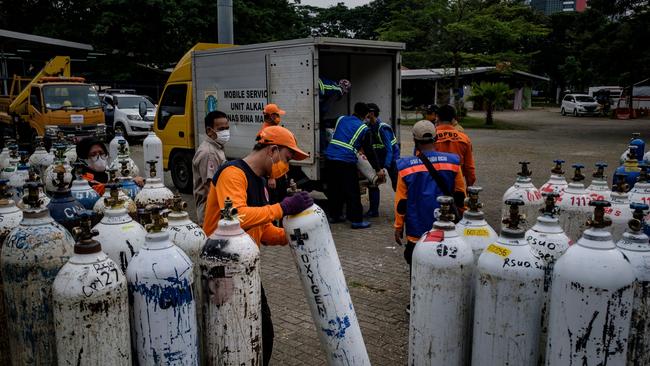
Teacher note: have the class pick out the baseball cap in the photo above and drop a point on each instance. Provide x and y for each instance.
(424, 130)
(432, 108)
(278, 135)
(273, 108)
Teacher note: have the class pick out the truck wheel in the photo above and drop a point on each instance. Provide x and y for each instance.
(181, 169)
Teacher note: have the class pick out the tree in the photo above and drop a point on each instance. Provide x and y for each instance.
(492, 95)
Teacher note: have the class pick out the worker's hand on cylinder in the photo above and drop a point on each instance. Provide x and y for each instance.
(296, 204)
(381, 176)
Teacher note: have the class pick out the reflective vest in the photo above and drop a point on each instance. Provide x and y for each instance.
(385, 143)
(346, 140)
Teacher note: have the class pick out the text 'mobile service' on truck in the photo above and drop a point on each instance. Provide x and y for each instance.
(241, 80)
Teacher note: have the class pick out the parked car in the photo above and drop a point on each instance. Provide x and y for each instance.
(579, 105)
(122, 111)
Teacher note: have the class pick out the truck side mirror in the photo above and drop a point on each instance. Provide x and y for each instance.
(142, 109)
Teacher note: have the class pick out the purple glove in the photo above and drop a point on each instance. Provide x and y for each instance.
(296, 204)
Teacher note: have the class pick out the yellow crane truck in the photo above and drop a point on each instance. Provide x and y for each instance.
(51, 102)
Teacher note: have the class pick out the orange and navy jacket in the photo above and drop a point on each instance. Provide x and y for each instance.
(247, 191)
(450, 140)
(415, 198)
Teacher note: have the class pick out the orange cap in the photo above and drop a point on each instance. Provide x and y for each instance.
(273, 108)
(278, 135)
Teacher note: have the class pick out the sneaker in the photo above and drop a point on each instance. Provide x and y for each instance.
(360, 225)
(372, 214)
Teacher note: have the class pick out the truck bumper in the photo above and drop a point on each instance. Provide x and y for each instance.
(78, 132)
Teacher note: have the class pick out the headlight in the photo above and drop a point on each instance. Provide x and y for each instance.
(101, 129)
(134, 117)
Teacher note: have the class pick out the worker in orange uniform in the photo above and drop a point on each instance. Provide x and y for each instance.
(277, 186)
(243, 180)
(421, 180)
(451, 140)
(272, 115)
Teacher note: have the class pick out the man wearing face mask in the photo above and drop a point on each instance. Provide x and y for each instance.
(243, 181)
(93, 155)
(272, 116)
(208, 158)
(277, 186)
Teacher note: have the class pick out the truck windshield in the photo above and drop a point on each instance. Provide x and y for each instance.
(584, 99)
(132, 102)
(71, 96)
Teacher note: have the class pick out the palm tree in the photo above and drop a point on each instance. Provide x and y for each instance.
(492, 95)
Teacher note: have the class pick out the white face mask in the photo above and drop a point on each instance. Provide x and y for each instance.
(97, 163)
(223, 137)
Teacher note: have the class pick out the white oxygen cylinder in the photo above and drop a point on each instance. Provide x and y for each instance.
(50, 177)
(473, 227)
(232, 303)
(509, 298)
(366, 169)
(325, 288)
(124, 155)
(163, 309)
(591, 300)
(574, 205)
(548, 241)
(113, 146)
(441, 288)
(524, 190)
(636, 249)
(599, 190)
(32, 255)
(619, 212)
(154, 191)
(153, 150)
(556, 183)
(91, 308)
(122, 236)
(40, 159)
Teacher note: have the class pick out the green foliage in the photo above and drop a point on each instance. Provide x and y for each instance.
(491, 95)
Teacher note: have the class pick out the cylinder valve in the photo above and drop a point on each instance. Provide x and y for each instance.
(558, 167)
(514, 218)
(577, 175)
(472, 201)
(599, 220)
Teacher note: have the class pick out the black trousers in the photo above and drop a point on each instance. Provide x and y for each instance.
(392, 174)
(343, 189)
(408, 255)
(267, 331)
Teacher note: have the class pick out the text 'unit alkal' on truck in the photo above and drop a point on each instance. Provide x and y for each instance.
(50, 103)
(241, 80)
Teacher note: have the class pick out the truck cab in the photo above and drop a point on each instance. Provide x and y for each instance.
(241, 80)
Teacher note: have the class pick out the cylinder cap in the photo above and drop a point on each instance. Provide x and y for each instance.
(599, 220)
(557, 169)
(525, 172)
(577, 175)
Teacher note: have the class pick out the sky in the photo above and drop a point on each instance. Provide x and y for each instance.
(327, 3)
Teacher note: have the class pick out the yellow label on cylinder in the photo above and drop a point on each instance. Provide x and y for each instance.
(499, 250)
(127, 227)
(477, 232)
(304, 213)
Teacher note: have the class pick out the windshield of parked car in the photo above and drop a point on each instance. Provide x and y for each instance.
(584, 99)
(62, 96)
(132, 102)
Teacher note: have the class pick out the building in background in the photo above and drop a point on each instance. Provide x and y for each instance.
(549, 7)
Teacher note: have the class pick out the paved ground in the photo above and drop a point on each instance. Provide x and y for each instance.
(374, 268)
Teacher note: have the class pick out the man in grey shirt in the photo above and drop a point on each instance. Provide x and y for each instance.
(208, 158)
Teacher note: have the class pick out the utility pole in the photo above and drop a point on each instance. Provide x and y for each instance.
(224, 22)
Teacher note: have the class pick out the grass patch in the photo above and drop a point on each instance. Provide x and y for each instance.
(472, 122)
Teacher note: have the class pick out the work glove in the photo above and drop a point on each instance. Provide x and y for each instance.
(296, 204)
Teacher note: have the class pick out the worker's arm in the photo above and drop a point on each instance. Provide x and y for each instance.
(459, 190)
(400, 204)
(468, 167)
(369, 151)
(273, 235)
(232, 184)
(387, 137)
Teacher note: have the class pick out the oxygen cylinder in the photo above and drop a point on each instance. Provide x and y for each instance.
(32, 255)
(40, 159)
(113, 146)
(636, 249)
(19, 177)
(10, 217)
(574, 204)
(548, 241)
(154, 191)
(443, 266)
(91, 299)
(70, 153)
(4, 155)
(122, 237)
(473, 228)
(123, 155)
(128, 203)
(591, 299)
(639, 146)
(153, 150)
(82, 191)
(232, 315)
(524, 190)
(12, 163)
(190, 238)
(599, 190)
(33, 177)
(64, 208)
(556, 183)
(366, 169)
(326, 291)
(162, 301)
(50, 176)
(509, 298)
(641, 191)
(630, 169)
(619, 211)
(127, 185)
